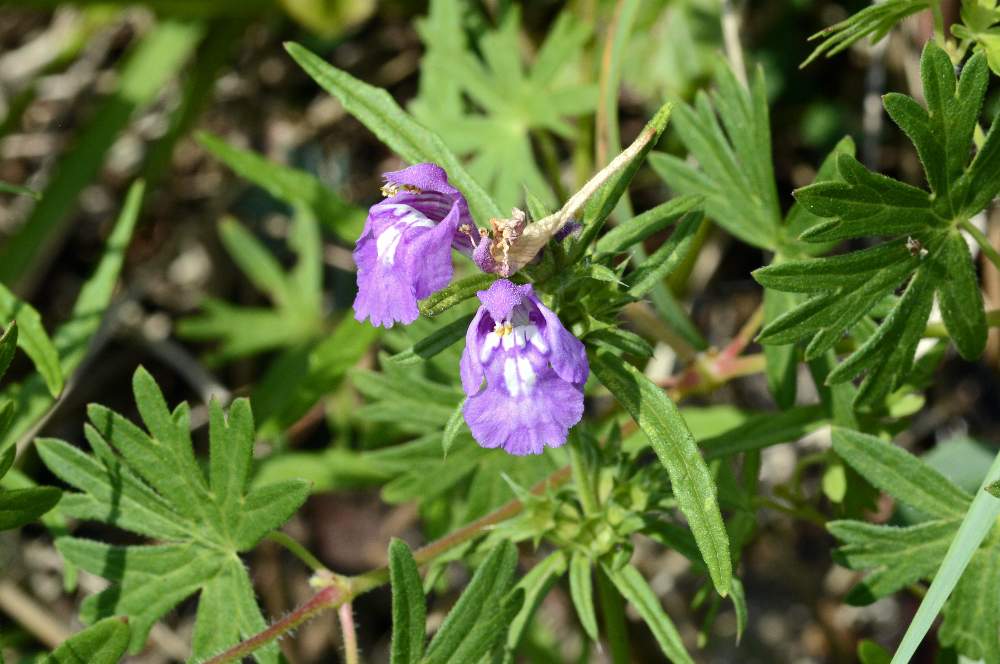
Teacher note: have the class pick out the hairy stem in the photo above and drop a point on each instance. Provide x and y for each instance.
(338, 591)
(346, 615)
(327, 598)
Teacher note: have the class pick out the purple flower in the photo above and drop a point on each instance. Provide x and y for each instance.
(404, 252)
(534, 370)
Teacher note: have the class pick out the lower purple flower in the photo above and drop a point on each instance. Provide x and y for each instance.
(404, 252)
(534, 370)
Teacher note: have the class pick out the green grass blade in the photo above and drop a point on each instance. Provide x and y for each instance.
(982, 515)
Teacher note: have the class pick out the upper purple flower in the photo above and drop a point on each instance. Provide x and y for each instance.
(534, 370)
(404, 252)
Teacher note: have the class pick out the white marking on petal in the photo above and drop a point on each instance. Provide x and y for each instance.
(510, 377)
(508, 341)
(527, 374)
(491, 344)
(537, 340)
(388, 241)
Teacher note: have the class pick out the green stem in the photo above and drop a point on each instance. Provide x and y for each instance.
(938, 330)
(984, 243)
(581, 476)
(939, 34)
(550, 161)
(296, 549)
(613, 611)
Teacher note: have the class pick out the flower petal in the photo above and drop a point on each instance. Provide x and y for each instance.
(529, 423)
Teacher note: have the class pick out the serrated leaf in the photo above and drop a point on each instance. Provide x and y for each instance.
(151, 483)
(729, 134)
(377, 110)
(673, 443)
(581, 591)
(104, 642)
(290, 185)
(409, 607)
(461, 637)
(629, 582)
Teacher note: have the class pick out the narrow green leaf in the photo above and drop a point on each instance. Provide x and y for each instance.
(21, 506)
(673, 443)
(764, 430)
(104, 642)
(668, 257)
(255, 261)
(980, 518)
(873, 21)
(459, 639)
(634, 588)
(290, 185)
(454, 427)
(8, 346)
(535, 585)
(652, 221)
(960, 299)
(409, 607)
(434, 343)
(33, 339)
(17, 190)
(456, 293)
(378, 111)
(153, 61)
(622, 340)
(782, 360)
(581, 591)
(900, 474)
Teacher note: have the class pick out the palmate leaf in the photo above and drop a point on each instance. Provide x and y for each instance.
(730, 136)
(151, 484)
(297, 315)
(896, 557)
(925, 250)
(506, 99)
